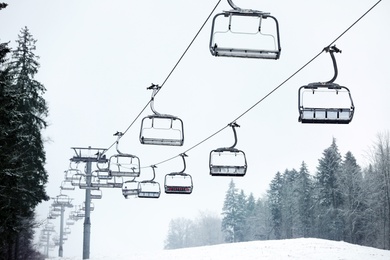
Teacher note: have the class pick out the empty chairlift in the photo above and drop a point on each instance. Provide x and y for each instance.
(149, 188)
(161, 129)
(67, 185)
(245, 33)
(178, 182)
(325, 102)
(130, 188)
(228, 161)
(123, 165)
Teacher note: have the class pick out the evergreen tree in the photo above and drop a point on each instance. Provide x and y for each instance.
(289, 204)
(305, 201)
(275, 203)
(22, 113)
(329, 195)
(250, 219)
(350, 184)
(233, 214)
(381, 165)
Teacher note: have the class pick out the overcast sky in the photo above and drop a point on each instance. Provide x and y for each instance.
(97, 59)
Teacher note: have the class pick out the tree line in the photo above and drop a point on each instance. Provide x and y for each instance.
(340, 201)
(22, 157)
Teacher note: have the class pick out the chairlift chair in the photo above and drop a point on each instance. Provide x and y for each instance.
(103, 169)
(149, 188)
(67, 185)
(91, 207)
(115, 182)
(96, 194)
(83, 183)
(62, 200)
(130, 188)
(178, 182)
(228, 161)
(325, 102)
(256, 33)
(161, 129)
(70, 222)
(75, 180)
(122, 164)
(67, 231)
(69, 173)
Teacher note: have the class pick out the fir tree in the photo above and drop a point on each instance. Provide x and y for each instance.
(305, 201)
(275, 203)
(233, 214)
(350, 183)
(22, 175)
(329, 195)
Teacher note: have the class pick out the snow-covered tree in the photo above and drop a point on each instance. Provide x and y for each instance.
(233, 213)
(350, 184)
(180, 233)
(275, 204)
(330, 199)
(380, 188)
(22, 112)
(305, 201)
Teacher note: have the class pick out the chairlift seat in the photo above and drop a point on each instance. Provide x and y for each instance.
(340, 114)
(149, 189)
(67, 185)
(124, 165)
(178, 183)
(161, 129)
(255, 44)
(96, 194)
(130, 188)
(228, 162)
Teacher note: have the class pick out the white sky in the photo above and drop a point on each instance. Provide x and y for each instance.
(98, 58)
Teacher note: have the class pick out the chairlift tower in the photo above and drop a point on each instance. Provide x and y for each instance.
(88, 156)
(47, 230)
(62, 201)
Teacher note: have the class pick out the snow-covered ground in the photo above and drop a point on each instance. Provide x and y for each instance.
(302, 248)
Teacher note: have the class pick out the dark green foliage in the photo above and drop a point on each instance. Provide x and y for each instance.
(22, 158)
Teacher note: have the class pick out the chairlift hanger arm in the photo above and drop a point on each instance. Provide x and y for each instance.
(331, 50)
(233, 126)
(184, 162)
(156, 89)
(235, 7)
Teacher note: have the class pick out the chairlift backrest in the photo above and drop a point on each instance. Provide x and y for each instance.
(161, 129)
(245, 33)
(67, 185)
(124, 165)
(149, 189)
(130, 188)
(96, 194)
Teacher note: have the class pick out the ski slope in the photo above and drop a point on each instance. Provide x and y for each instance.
(301, 248)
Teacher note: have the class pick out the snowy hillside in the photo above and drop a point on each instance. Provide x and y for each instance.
(302, 248)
